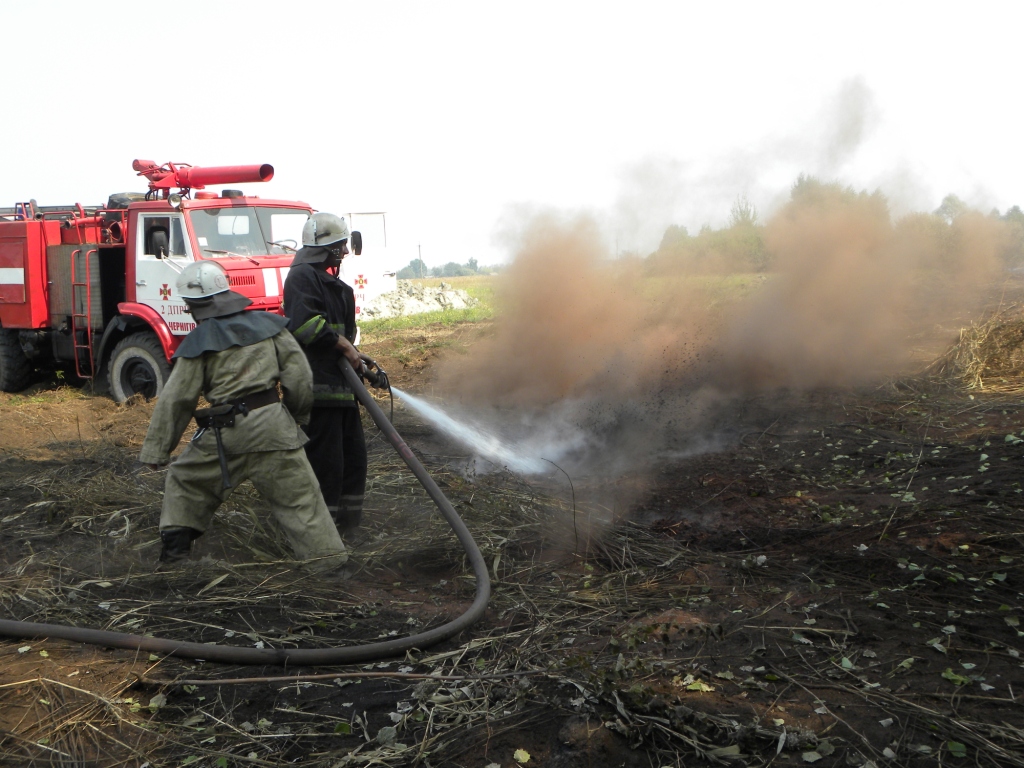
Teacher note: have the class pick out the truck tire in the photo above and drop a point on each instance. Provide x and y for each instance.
(138, 367)
(15, 368)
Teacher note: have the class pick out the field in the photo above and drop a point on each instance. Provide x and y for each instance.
(839, 583)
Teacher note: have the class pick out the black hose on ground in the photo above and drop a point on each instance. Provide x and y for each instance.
(306, 657)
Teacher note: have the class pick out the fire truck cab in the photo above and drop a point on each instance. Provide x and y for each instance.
(92, 289)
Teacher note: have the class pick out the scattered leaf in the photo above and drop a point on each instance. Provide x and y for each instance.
(156, 702)
(521, 756)
(25, 649)
(811, 757)
(1012, 621)
(956, 749)
(700, 685)
(44, 654)
(954, 678)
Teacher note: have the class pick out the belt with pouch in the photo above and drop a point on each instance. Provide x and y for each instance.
(216, 417)
(223, 415)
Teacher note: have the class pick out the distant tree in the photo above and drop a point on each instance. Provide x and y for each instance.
(743, 213)
(416, 268)
(472, 265)
(451, 269)
(674, 237)
(951, 207)
(1014, 215)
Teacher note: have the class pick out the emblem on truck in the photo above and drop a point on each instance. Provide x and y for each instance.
(165, 292)
(361, 282)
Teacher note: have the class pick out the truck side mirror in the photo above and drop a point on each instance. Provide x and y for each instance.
(357, 242)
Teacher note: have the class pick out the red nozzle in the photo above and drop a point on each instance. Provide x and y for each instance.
(181, 176)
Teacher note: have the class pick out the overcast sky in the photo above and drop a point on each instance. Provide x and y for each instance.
(460, 118)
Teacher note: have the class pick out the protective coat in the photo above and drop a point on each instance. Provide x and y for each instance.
(264, 446)
(320, 308)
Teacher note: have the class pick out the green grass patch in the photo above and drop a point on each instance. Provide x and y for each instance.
(442, 317)
(479, 287)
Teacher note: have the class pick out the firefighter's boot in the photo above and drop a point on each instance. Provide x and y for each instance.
(177, 543)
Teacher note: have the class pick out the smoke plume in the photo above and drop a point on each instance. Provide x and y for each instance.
(617, 360)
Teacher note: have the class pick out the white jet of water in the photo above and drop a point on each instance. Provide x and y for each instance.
(486, 446)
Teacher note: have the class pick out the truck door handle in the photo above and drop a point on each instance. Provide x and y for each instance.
(140, 282)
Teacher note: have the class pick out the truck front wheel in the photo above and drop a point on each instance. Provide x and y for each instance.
(138, 367)
(15, 368)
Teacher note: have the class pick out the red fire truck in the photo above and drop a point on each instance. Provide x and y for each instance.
(91, 289)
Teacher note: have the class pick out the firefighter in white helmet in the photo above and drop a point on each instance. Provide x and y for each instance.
(236, 360)
(322, 316)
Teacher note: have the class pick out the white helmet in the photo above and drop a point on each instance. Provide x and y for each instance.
(323, 229)
(202, 279)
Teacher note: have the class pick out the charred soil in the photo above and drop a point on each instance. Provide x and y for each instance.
(840, 584)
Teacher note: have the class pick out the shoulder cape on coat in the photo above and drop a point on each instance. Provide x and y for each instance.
(219, 333)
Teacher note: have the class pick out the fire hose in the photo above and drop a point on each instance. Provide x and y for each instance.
(302, 656)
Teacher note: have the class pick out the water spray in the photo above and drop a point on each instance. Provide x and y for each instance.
(485, 445)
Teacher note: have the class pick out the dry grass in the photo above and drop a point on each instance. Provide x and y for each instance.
(988, 356)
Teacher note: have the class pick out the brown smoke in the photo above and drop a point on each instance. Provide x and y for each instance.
(848, 295)
(575, 322)
(854, 295)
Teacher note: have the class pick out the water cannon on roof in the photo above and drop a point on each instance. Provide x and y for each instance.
(164, 178)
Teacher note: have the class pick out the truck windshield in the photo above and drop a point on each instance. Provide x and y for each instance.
(247, 230)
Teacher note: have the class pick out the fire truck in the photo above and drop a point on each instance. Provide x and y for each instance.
(91, 289)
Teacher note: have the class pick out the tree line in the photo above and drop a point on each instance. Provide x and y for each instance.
(418, 268)
(743, 245)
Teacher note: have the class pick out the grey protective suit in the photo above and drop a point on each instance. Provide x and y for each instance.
(265, 446)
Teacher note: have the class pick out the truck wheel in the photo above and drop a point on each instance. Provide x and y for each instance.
(138, 367)
(15, 368)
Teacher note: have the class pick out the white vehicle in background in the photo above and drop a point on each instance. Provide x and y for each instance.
(371, 273)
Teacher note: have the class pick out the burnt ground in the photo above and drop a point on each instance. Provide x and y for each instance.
(840, 586)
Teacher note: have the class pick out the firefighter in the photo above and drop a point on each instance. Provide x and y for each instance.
(236, 360)
(322, 315)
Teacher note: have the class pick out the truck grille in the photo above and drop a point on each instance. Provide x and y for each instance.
(234, 280)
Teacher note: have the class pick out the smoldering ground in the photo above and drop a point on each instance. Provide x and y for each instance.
(609, 364)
